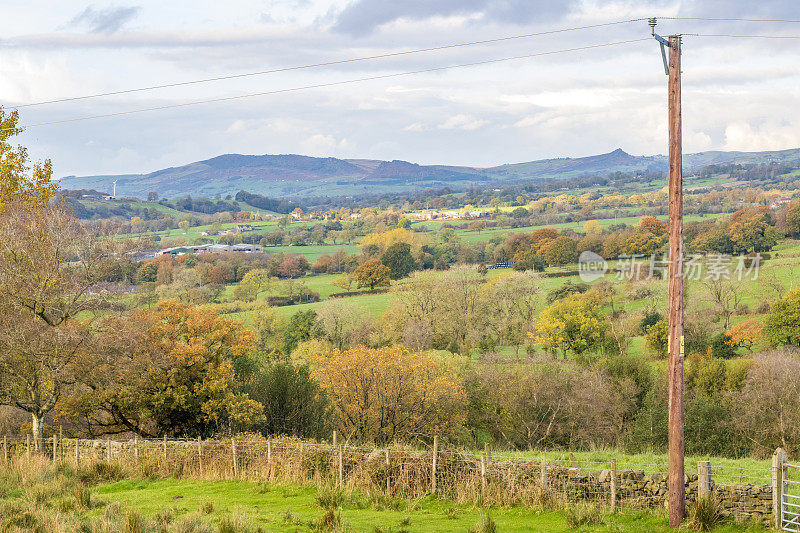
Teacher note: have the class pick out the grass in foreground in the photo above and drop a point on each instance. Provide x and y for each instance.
(37, 496)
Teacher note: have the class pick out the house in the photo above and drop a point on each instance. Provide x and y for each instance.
(244, 227)
(779, 202)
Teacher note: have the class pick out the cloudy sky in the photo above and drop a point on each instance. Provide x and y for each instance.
(739, 94)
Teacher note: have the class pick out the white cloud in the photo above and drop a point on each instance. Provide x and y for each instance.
(744, 136)
(462, 122)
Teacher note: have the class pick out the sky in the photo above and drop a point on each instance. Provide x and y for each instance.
(738, 93)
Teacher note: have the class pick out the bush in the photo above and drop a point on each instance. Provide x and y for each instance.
(720, 346)
(650, 318)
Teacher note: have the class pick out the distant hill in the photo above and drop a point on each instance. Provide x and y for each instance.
(299, 176)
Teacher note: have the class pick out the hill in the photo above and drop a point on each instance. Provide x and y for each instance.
(301, 176)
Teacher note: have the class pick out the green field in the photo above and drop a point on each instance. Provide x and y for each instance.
(291, 508)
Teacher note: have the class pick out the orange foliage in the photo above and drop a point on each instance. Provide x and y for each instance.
(390, 393)
(745, 334)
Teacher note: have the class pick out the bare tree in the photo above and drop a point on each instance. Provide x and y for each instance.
(726, 295)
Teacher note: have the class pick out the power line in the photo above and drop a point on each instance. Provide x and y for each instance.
(742, 36)
(329, 63)
(331, 84)
(711, 19)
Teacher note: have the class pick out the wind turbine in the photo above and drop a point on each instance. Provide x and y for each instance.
(114, 196)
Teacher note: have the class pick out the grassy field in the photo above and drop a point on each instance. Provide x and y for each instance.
(291, 508)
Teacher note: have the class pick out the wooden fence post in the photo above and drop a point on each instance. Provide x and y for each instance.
(28, 446)
(334, 438)
(703, 479)
(5, 447)
(483, 472)
(613, 485)
(269, 452)
(165, 450)
(433, 464)
(302, 453)
(543, 471)
(77, 453)
(136, 449)
(55, 447)
(235, 462)
(388, 471)
(108, 450)
(200, 454)
(61, 441)
(341, 465)
(778, 467)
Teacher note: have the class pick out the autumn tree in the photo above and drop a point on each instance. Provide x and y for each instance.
(560, 251)
(575, 324)
(48, 262)
(167, 371)
(390, 393)
(372, 273)
(745, 334)
(652, 225)
(21, 181)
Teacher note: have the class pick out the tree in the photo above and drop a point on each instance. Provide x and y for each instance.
(19, 181)
(745, 334)
(561, 251)
(782, 326)
(771, 394)
(652, 225)
(372, 273)
(152, 196)
(793, 220)
(48, 262)
(399, 260)
(576, 324)
(293, 402)
(344, 323)
(252, 284)
(643, 243)
(184, 225)
(301, 327)
(390, 393)
(592, 228)
(726, 294)
(167, 371)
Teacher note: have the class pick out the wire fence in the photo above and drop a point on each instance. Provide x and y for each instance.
(405, 472)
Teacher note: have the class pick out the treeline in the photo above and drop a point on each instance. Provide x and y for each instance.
(263, 202)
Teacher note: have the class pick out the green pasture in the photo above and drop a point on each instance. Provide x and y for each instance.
(292, 508)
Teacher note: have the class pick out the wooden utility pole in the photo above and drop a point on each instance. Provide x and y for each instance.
(677, 494)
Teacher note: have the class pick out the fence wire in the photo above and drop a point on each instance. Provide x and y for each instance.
(463, 476)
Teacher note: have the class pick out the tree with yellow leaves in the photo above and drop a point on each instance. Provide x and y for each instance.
(390, 393)
(575, 324)
(19, 180)
(167, 371)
